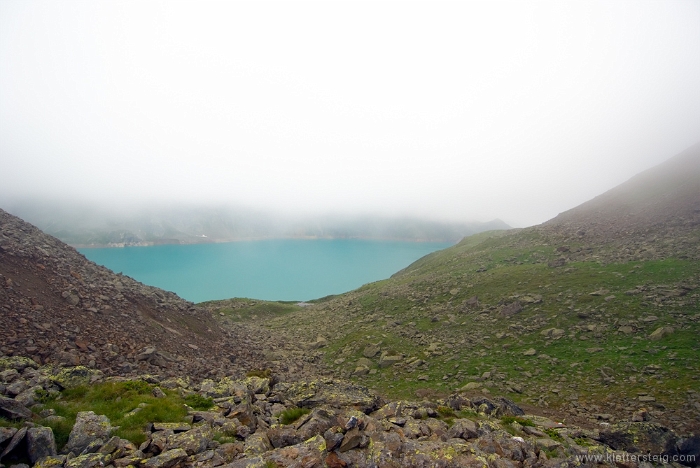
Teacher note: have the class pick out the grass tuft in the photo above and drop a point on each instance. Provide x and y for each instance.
(290, 415)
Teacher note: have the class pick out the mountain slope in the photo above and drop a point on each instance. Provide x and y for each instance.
(58, 307)
(595, 314)
(662, 197)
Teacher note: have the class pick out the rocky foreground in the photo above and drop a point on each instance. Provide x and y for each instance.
(335, 424)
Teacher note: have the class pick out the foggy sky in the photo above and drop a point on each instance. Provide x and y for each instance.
(456, 111)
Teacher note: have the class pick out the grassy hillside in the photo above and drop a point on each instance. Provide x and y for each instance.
(585, 341)
(595, 313)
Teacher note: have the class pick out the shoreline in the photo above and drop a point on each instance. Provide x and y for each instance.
(250, 239)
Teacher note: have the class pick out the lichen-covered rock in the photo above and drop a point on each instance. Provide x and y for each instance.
(313, 393)
(166, 459)
(51, 462)
(18, 363)
(193, 441)
(257, 385)
(88, 428)
(40, 443)
(225, 387)
(89, 460)
(257, 444)
(645, 437)
(70, 377)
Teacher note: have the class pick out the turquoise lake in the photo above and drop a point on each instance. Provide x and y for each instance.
(285, 270)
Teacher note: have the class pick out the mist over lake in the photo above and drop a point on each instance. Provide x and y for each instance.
(287, 269)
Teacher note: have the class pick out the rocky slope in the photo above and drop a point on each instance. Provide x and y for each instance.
(664, 199)
(58, 307)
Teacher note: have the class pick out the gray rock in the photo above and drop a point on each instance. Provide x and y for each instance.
(315, 423)
(6, 433)
(192, 442)
(8, 376)
(387, 361)
(463, 429)
(257, 444)
(71, 298)
(11, 409)
(29, 396)
(511, 309)
(167, 459)
(371, 350)
(16, 387)
(88, 428)
(283, 436)
(642, 437)
(90, 460)
(14, 442)
(351, 440)
(660, 333)
(40, 443)
(313, 393)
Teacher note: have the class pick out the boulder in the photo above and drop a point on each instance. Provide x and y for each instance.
(70, 377)
(6, 433)
(14, 442)
(166, 459)
(313, 393)
(11, 409)
(40, 443)
(644, 437)
(388, 360)
(257, 444)
(351, 440)
(193, 441)
(511, 309)
(88, 428)
(463, 429)
(660, 333)
(283, 436)
(317, 422)
(371, 350)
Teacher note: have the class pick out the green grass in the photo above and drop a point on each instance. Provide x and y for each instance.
(290, 415)
(199, 402)
(9, 423)
(424, 303)
(115, 400)
(522, 421)
(553, 434)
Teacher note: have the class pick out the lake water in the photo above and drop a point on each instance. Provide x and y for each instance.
(288, 269)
